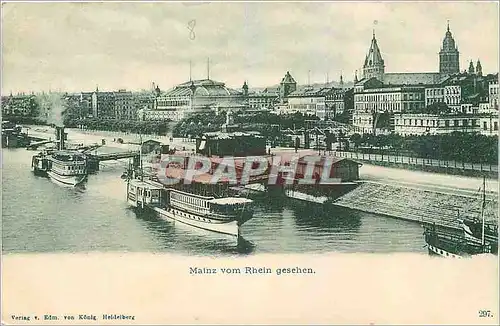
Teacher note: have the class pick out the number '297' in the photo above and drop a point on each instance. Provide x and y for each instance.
(485, 313)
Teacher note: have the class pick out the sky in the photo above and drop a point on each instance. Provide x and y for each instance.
(78, 46)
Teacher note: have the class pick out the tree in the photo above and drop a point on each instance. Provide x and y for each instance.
(356, 139)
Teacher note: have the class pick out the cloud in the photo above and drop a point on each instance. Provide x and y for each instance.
(74, 46)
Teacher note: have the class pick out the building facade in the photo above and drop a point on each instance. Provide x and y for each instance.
(265, 99)
(335, 102)
(445, 92)
(103, 104)
(489, 124)
(195, 96)
(19, 105)
(125, 105)
(389, 99)
(419, 124)
(493, 93)
(121, 104)
(308, 101)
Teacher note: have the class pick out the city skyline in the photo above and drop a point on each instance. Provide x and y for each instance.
(77, 46)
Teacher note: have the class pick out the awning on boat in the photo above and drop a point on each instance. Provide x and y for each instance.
(230, 201)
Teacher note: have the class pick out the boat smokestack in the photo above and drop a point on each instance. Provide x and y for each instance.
(61, 136)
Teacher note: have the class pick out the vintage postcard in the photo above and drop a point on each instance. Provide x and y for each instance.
(249, 163)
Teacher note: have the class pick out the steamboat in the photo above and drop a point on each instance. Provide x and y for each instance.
(200, 202)
(67, 167)
(223, 206)
(224, 214)
(62, 166)
(447, 244)
(476, 236)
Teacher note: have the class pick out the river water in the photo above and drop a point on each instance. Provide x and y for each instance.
(41, 216)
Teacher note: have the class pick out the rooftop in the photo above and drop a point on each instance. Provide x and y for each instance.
(230, 135)
(310, 92)
(404, 78)
(202, 87)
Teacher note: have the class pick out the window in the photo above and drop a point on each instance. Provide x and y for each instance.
(455, 123)
(485, 125)
(495, 126)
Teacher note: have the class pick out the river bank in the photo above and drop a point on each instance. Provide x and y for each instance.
(130, 140)
(417, 205)
(404, 194)
(425, 164)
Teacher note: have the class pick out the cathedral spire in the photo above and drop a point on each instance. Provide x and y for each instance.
(374, 64)
(471, 68)
(479, 68)
(449, 57)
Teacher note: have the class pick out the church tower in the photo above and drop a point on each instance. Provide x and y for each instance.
(244, 88)
(449, 57)
(479, 69)
(471, 68)
(374, 64)
(287, 85)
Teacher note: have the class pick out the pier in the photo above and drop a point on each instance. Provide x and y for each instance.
(93, 160)
(35, 145)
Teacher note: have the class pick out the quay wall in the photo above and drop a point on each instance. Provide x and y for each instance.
(417, 205)
(423, 164)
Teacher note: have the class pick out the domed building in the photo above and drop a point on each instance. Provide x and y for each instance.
(195, 96)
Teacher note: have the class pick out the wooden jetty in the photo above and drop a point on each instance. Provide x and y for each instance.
(35, 145)
(93, 160)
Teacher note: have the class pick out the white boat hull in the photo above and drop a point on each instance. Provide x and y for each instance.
(441, 252)
(70, 180)
(230, 227)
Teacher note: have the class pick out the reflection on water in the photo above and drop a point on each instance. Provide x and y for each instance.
(325, 217)
(173, 233)
(41, 216)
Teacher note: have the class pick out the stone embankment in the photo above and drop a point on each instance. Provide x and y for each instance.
(417, 205)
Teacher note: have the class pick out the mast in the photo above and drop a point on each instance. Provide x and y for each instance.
(140, 158)
(129, 172)
(208, 68)
(482, 208)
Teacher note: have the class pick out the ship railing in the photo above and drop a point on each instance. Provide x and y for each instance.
(458, 240)
(190, 194)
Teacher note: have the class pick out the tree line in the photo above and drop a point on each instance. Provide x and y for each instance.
(133, 126)
(455, 146)
(267, 123)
